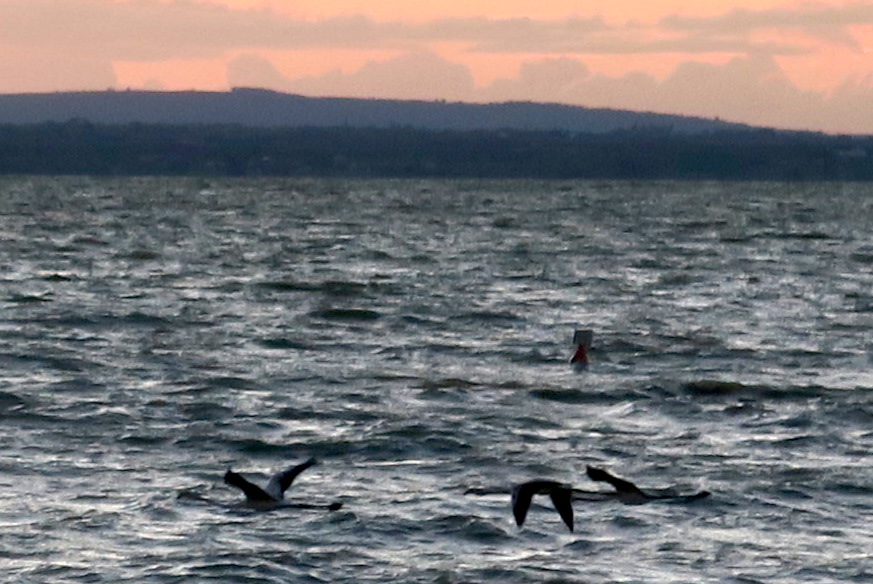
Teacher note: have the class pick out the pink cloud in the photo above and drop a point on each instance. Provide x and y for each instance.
(746, 89)
(409, 76)
(48, 45)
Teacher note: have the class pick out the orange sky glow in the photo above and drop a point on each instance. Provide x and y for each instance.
(793, 64)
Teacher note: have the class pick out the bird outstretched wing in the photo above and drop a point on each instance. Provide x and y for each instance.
(253, 492)
(280, 482)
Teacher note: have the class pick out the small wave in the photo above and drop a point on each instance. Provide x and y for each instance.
(103, 418)
(712, 387)
(488, 316)
(67, 364)
(794, 442)
(282, 343)
(448, 383)
(352, 314)
(197, 387)
(534, 356)
(9, 402)
(106, 320)
(329, 287)
(142, 255)
(285, 286)
(505, 222)
(861, 302)
(697, 225)
(419, 321)
(676, 279)
(207, 411)
(849, 488)
(29, 298)
(308, 414)
(467, 527)
(796, 235)
(423, 258)
(415, 441)
(142, 441)
(736, 238)
(230, 382)
(253, 446)
(137, 318)
(629, 522)
(580, 545)
(332, 288)
(865, 257)
(511, 385)
(58, 277)
(69, 321)
(577, 396)
(90, 240)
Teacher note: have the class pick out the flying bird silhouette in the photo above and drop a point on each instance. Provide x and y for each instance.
(273, 495)
(563, 495)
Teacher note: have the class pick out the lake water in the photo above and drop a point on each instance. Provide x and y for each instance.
(414, 336)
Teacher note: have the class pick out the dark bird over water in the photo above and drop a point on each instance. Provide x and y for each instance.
(627, 492)
(274, 493)
(563, 495)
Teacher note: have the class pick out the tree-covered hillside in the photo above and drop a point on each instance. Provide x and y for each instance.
(80, 147)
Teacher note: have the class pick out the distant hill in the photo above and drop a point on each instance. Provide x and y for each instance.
(269, 109)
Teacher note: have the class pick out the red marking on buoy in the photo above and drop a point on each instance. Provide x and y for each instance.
(582, 338)
(581, 355)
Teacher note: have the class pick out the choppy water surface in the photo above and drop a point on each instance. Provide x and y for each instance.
(414, 337)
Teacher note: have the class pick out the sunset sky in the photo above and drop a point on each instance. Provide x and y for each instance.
(787, 64)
